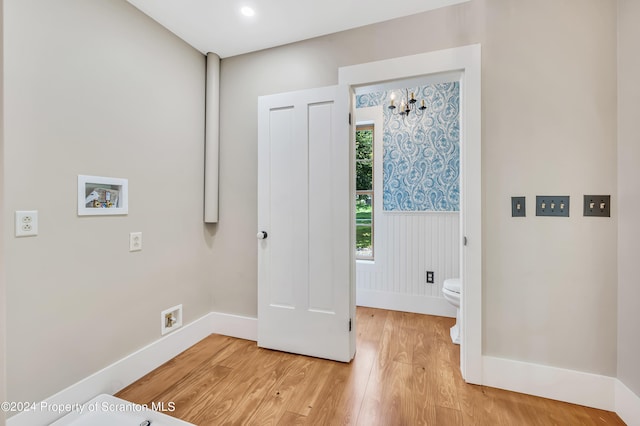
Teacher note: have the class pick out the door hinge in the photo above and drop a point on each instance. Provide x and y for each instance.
(349, 118)
(349, 324)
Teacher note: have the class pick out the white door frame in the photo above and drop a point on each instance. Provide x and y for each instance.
(466, 60)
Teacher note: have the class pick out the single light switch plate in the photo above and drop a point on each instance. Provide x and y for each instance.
(26, 223)
(597, 205)
(552, 205)
(135, 241)
(518, 207)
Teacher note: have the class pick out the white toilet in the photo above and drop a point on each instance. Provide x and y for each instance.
(451, 292)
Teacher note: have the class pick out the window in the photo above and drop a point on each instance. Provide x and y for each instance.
(364, 192)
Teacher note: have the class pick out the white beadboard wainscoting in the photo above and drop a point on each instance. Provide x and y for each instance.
(406, 245)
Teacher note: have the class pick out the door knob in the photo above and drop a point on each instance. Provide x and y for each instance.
(262, 235)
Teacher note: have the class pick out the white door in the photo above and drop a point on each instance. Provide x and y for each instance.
(305, 217)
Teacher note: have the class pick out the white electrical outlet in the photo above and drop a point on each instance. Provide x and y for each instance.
(170, 319)
(135, 241)
(26, 223)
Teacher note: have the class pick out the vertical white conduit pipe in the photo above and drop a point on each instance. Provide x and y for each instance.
(212, 139)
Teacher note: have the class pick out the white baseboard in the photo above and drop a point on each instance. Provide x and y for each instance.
(428, 305)
(572, 386)
(234, 326)
(627, 404)
(118, 375)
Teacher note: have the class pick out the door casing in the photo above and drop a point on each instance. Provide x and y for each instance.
(467, 61)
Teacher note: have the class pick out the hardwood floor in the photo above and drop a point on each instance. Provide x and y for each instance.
(405, 373)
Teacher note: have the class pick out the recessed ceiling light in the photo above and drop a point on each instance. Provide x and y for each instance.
(247, 11)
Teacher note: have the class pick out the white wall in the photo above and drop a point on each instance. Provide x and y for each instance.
(406, 245)
(3, 322)
(549, 121)
(98, 88)
(628, 193)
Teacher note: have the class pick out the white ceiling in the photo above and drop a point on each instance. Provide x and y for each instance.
(218, 26)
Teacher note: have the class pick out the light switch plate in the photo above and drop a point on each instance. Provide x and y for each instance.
(552, 205)
(518, 207)
(597, 205)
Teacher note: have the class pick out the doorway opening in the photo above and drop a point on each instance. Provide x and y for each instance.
(465, 61)
(409, 168)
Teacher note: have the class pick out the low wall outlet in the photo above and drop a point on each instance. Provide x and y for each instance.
(170, 319)
(430, 277)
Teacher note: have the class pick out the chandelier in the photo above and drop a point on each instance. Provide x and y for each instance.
(407, 105)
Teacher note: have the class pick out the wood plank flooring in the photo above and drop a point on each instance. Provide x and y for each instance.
(405, 373)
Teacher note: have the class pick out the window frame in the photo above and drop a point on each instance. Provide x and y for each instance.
(371, 192)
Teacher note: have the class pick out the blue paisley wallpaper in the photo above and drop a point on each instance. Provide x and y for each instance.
(421, 164)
